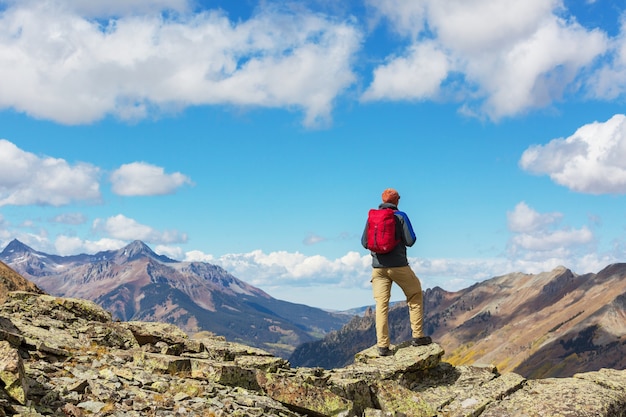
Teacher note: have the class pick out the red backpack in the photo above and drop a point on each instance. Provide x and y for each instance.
(381, 230)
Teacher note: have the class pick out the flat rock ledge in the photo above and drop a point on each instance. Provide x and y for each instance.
(66, 357)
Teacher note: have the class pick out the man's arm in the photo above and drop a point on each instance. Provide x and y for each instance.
(408, 234)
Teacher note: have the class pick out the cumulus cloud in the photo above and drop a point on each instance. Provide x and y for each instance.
(609, 82)
(58, 64)
(123, 228)
(501, 56)
(407, 18)
(26, 178)
(170, 251)
(72, 245)
(538, 242)
(525, 219)
(294, 268)
(538, 236)
(418, 75)
(592, 160)
(198, 256)
(141, 179)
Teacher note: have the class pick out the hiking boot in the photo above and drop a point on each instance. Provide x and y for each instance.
(421, 341)
(384, 351)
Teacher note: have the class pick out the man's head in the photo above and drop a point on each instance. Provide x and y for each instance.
(391, 196)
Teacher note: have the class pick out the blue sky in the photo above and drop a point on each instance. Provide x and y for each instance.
(256, 135)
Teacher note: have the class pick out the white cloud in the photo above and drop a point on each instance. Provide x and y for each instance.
(169, 251)
(466, 24)
(70, 218)
(139, 178)
(106, 8)
(123, 228)
(27, 224)
(198, 256)
(557, 241)
(27, 179)
(609, 82)
(408, 18)
(65, 245)
(56, 64)
(418, 75)
(471, 26)
(538, 237)
(260, 268)
(537, 70)
(100, 8)
(504, 56)
(453, 274)
(5, 233)
(524, 219)
(592, 160)
(313, 239)
(72, 245)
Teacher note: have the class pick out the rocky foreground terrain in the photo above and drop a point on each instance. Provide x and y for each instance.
(66, 357)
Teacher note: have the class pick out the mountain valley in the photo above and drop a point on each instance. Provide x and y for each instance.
(551, 324)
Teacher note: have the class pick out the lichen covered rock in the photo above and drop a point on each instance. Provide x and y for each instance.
(65, 357)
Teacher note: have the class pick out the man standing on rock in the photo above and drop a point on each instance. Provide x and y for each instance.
(390, 264)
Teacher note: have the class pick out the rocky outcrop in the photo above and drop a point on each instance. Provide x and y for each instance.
(66, 357)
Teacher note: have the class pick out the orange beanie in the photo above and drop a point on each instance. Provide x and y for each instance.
(391, 196)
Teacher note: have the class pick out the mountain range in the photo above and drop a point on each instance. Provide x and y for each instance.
(134, 283)
(551, 324)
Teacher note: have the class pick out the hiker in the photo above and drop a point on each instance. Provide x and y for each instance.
(390, 265)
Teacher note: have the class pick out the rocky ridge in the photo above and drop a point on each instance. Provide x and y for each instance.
(66, 357)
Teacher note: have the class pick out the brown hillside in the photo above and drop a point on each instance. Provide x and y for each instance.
(550, 324)
(12, 281)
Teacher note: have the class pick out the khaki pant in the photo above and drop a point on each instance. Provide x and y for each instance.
(382, 278)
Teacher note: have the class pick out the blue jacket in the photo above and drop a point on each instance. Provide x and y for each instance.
(404, 230)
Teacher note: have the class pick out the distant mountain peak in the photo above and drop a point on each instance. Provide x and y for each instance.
(137, 250)
(137, 246)
(15, 246)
